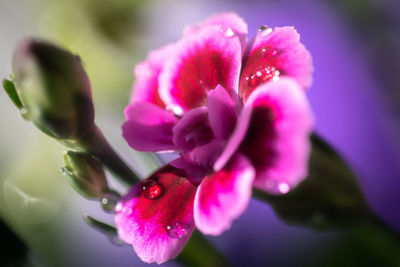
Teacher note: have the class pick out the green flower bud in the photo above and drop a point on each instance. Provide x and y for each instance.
(86, 174)
(54, 89)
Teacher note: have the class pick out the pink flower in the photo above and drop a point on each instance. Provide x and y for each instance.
(238, 116)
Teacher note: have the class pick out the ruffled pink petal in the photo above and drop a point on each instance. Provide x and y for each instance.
(156, 216)
(194, 138)
(277, 138)
(272, 54)
(203, 60)
(147, 72)
(222, 112)
(223, 196)
(226, 20)
(148, 127)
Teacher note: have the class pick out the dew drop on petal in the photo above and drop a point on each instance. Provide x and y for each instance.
(152, 189)
(177, 110)
(283, 188)
(118, 208)
(270, 52)
(262, 75)
(227, 32)
(176, 229)
(264, 30)
(127, 210)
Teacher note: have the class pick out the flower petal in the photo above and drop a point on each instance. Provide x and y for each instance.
(194, 138)
(277, 138)
(156, 216)
(147, 73)
(221, 112)
(272, 54)
(203, 60)
(223, 196)
(226, 20)
(148, 127)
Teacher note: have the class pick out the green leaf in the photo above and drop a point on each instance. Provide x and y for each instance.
(12, 93)
(328, 198)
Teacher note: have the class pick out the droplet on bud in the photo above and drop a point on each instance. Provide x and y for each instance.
(25, 113)
(109, 201)
(152, 189)
(264, 30)
(177, 229)
(64, 171)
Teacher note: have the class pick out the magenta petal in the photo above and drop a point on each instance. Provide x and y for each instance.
(147, 73)
(221, 112)
(225, 20)
(223, 196)
(202, 61)
(148, 127)
(277, 139)
(156, 216)
(192, 130)
(194, 138)
(272, 54)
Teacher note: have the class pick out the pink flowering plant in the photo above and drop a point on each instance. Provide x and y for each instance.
(235, 113)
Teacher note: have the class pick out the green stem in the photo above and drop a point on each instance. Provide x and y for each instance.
(96, 144)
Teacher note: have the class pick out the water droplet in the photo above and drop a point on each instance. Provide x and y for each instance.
(177, 230)
(109, 201)
(64, 171)
(279, 187)
(177, 110)
(264, 30)
(152, 189)
(227, 32)
(118, 208)
(262, 75)
(127, 210)
(25, 113)
(283, 187)
(269, 51)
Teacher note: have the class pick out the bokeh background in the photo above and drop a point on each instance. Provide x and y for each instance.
(355, 96)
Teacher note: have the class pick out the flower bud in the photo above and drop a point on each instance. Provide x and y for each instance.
(86, 174)
(54, 89)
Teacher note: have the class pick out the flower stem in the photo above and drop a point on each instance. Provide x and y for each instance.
(96, 144)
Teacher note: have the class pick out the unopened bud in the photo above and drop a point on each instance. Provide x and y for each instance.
(54, 89)
(86, 174)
